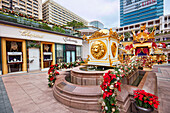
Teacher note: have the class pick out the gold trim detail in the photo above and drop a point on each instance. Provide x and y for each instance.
(142, 36)
(113, 49)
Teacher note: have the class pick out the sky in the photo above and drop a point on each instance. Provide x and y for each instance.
(106, 11)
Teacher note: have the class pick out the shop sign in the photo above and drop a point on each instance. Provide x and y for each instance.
(142, 4)
(69, 39)
(28, 33)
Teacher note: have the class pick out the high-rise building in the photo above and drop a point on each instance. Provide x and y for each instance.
(97, 24)
(162, 26)
(59, 15)
(134, 11)
(29, 7)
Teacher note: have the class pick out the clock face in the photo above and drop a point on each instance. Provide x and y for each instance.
(98, 49)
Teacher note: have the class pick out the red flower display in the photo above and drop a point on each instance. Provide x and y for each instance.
(127, 47)
(146, 100)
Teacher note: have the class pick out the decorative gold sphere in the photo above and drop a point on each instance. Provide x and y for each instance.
(98, 49)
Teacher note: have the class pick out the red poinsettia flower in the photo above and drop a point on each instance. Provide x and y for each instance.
(112, 76)
(56, 72)
(106, 77)
(127, 47)
(49, 71)
(51, 78)
(51, 66)
(131, 46)
(141, 97)
(150, 102)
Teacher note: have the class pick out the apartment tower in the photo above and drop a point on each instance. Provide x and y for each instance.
(59, 15)
(29, 7)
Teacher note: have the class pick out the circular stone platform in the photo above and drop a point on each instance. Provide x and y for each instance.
(86, 78)
(76, 96)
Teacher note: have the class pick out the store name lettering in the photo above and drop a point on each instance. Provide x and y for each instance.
(68, 39)
(142, 4)
(148, 2)
(28, 33)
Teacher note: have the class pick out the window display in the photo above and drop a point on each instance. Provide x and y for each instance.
(14, 56)
(47, 52)
(59, 51)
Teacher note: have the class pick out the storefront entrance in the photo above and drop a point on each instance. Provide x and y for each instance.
(70, 56)
(70, 53)
(34, 62)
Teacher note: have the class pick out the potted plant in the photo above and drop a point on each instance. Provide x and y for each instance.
(145, 102)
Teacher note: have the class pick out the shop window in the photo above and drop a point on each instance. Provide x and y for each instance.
(47, 54)
(59, 51)
(78, 52)
(14, 56)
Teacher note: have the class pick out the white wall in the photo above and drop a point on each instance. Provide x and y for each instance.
(16, 32)
(85, 49)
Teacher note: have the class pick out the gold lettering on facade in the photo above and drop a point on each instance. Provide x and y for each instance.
(29, 34)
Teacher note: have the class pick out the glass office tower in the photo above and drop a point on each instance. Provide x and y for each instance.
(134, 11)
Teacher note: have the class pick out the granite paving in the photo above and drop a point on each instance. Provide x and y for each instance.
(29, 93)
(5, 105)
(163, 85)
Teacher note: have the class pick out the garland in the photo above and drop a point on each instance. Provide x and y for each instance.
(52, 76)
(111, 83)
(52, 72)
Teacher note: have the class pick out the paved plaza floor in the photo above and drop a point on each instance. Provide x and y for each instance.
(29, 93)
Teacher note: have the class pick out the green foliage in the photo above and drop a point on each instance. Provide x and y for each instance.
(75, 24)
(150, 29)
(58, 29)
(127, 35)
(45, 26)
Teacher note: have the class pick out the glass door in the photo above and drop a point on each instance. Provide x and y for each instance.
(73, 56)
(68, 56)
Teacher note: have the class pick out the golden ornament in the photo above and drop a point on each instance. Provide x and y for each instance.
(98, 49)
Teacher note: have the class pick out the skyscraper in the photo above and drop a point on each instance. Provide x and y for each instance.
(134, 11)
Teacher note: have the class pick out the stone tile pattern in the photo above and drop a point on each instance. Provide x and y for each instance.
(163, 84)
(30, 93)
(5, 105)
